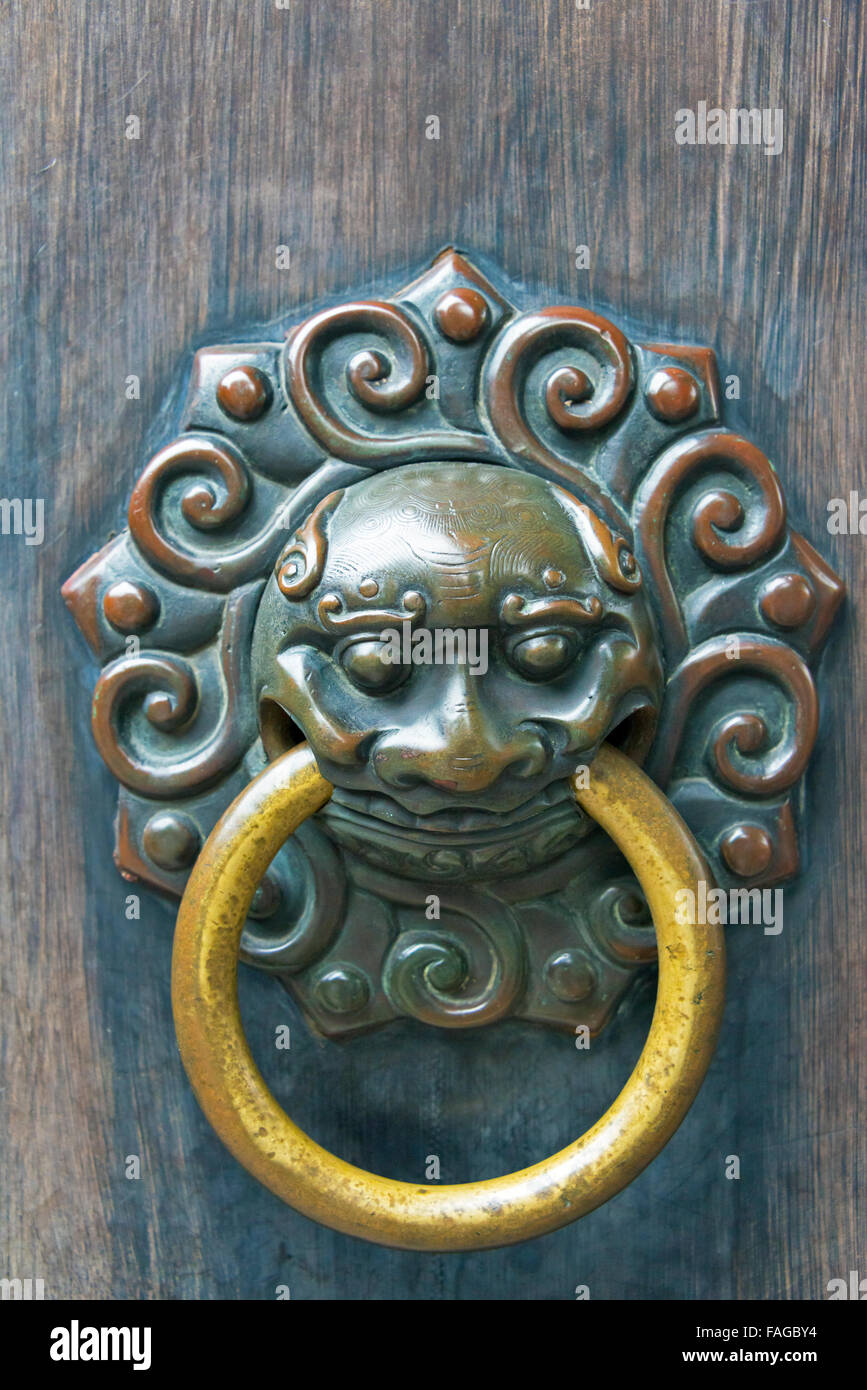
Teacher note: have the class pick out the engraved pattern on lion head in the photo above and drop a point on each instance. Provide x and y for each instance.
(454, 638)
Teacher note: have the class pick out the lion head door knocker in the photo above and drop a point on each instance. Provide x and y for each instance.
(440, 601)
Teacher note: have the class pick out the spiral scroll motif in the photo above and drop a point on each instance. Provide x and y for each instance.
(384, 384)
(573, 402)
(202, 509)
(777, 768)
(758, 529)
(169, 689)
(427, 973)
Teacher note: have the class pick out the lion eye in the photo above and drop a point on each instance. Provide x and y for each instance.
(367, 665)
(542, 657)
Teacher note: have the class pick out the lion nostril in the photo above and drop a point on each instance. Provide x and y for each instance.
(403, 781)
(528, 767)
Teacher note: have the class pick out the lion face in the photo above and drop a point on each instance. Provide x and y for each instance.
(452, 640)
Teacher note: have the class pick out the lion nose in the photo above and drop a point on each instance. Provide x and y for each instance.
(460, 747)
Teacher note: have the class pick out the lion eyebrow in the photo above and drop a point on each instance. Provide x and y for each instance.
(516, 611)
(334, 618)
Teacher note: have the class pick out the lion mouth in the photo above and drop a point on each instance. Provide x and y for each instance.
(378, 809)
(456, 842)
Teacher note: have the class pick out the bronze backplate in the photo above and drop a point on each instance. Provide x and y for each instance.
(439, 460)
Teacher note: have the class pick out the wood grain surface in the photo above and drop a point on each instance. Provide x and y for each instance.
(305, 127)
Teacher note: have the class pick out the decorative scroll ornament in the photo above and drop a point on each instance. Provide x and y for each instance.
(644, 585)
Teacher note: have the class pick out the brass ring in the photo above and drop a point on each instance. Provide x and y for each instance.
(466, 1216)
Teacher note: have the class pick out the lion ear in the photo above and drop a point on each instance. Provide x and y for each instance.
(300, 567)
(610, 553)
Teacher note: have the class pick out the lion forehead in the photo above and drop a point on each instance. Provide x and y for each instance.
(450, 520)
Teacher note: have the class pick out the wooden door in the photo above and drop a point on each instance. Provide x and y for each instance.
(155, 158)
